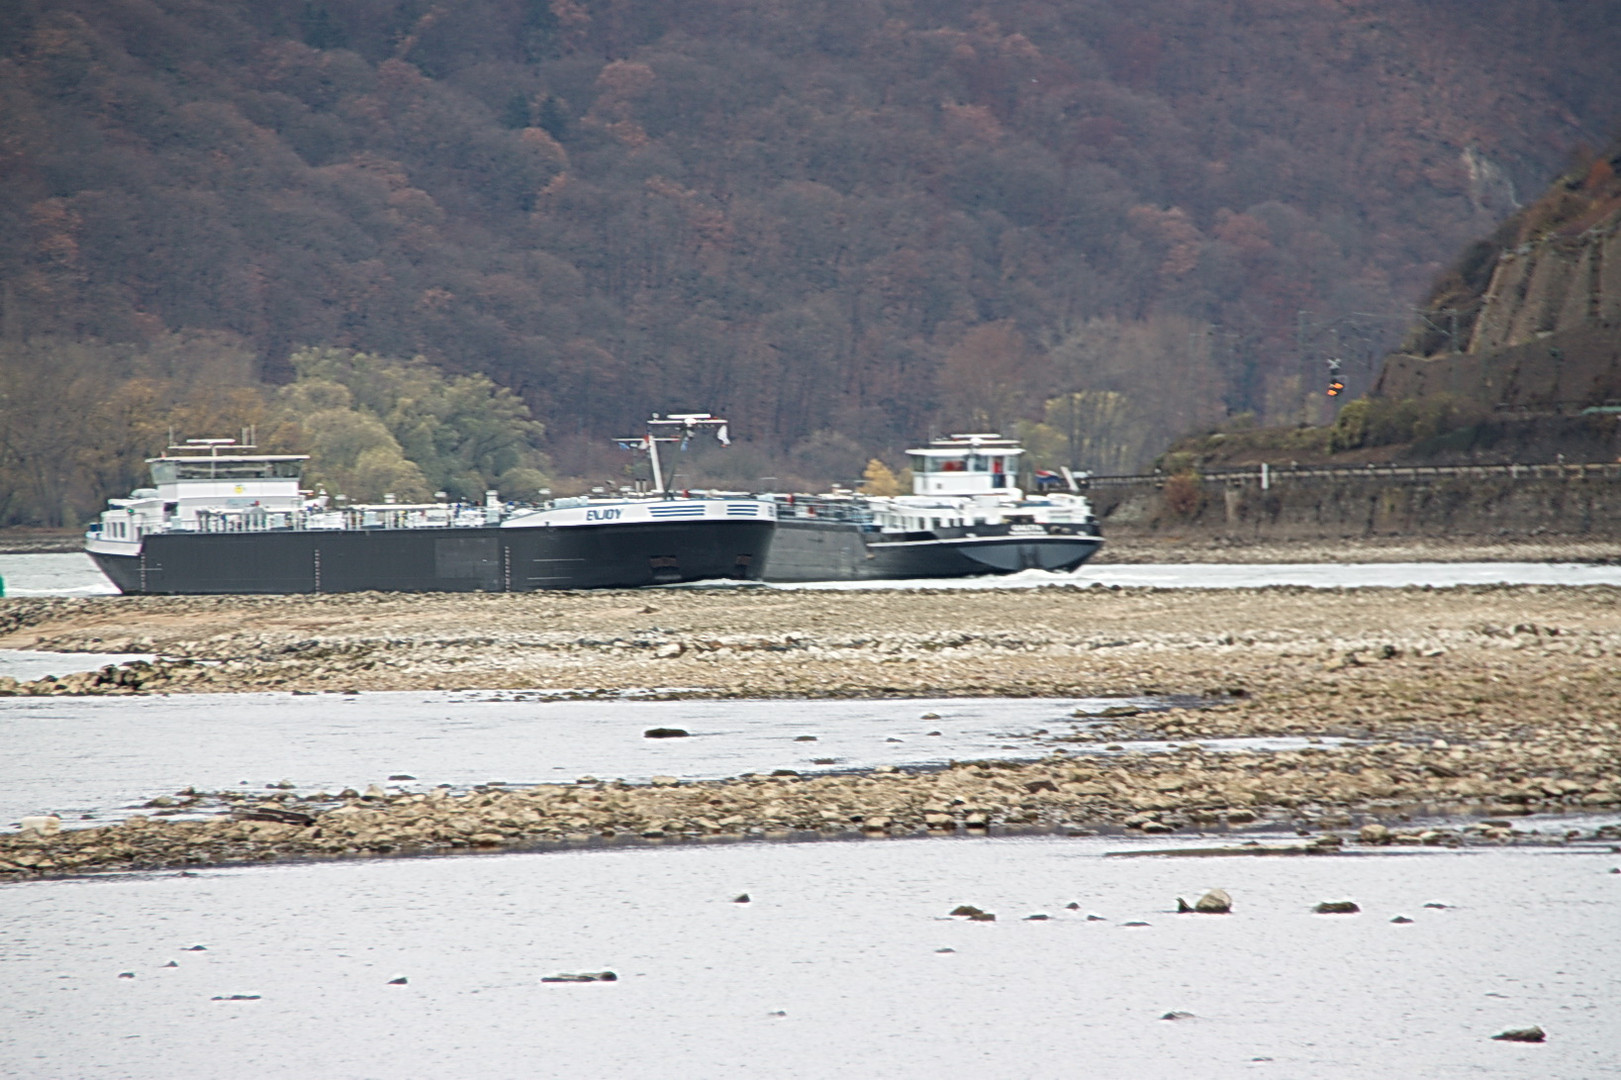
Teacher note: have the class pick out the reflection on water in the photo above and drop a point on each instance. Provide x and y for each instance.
(843, 964)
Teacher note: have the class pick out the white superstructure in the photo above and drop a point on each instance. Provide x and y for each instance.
(220, 486)
(968, 480)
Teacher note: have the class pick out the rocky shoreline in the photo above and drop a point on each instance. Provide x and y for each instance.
(1478, 703)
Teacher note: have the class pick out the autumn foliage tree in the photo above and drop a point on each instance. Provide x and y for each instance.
(867, 219)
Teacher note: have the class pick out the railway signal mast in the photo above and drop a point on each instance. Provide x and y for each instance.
(1336, 385)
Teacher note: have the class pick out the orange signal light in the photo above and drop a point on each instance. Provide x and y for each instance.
(1335, 387)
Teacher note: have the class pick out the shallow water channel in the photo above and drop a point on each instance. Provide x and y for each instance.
(844, 963)
(75, 575)
(94, 759)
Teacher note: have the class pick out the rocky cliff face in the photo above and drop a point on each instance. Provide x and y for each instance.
(1530, 319)
(1570, 503)
(1558, 283)
(1561, 371)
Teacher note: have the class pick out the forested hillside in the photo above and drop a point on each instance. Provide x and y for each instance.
(839, 222)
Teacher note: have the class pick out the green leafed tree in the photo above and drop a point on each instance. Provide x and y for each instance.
(375, 425)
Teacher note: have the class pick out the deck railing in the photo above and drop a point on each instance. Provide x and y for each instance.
(1284, 474)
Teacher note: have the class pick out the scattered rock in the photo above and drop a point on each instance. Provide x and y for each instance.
(741, 898)
(235, 997)
(170, 964)
(1134, 924)
(1178, 1015)
(195, 948)
(278, 815)
(945, 950)
(126, 974)
(402, 776)
(1038, 917)
(581, 977)
(930, 716)
(1525, 1035)
(1374, 833)
(1401, 920)
(804, 738)
(1337, 907)
(1072, 906)
(665, 733)
(1214, 902)
(401, 981)
(1437, 905)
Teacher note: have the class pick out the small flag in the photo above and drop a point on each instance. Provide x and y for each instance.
(724, 435)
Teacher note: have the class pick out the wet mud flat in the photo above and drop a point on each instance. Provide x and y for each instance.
(1484, 703)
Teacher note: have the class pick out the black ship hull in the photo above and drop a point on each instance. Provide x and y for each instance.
(443, 559)
(845, 551)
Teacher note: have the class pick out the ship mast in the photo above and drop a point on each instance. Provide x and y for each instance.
(680, 427)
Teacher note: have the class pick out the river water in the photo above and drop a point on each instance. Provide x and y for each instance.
(76, 575)
(843, 964)
(97, 759)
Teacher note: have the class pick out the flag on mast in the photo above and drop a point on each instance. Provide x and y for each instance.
(724, 436)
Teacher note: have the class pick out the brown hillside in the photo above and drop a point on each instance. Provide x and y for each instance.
(791, 213)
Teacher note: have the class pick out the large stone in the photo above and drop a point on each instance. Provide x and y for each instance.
(1526, 1035)
(1374, 833)
(1337, 907)
(42, 824)
(1214, 902)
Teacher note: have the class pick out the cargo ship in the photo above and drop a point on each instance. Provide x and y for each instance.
(221, 518)
(966, 516)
